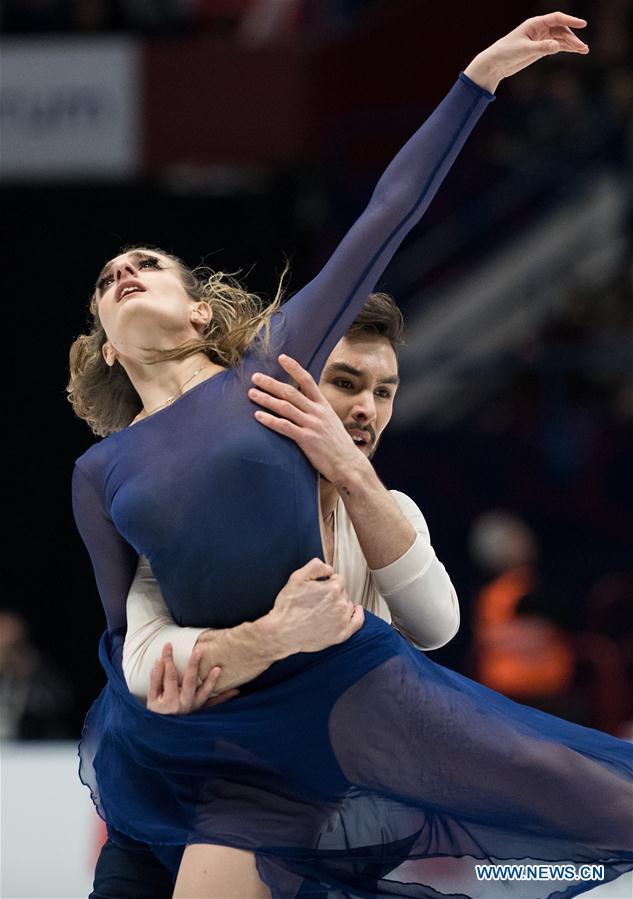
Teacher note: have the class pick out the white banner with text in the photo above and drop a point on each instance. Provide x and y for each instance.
(69, 108)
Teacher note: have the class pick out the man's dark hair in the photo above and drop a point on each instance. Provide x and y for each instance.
(379, 317)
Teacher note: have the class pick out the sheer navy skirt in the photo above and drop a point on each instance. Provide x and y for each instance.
(364, 770)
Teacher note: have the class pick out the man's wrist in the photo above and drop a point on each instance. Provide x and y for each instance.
(354, 474)
(267, 639)
(256, 641)
(206, 636)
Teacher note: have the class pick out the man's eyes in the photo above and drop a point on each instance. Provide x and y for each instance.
(344, 384)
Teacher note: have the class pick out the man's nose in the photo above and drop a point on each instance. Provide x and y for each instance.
(365, 408)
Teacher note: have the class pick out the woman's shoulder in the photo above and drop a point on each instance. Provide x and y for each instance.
(99, 454)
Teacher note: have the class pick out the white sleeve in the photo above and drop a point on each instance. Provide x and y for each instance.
(417, 589)
(149, 627)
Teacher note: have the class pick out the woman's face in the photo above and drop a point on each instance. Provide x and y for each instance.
(142, 303)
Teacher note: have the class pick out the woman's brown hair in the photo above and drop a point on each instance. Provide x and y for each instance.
(104, 396)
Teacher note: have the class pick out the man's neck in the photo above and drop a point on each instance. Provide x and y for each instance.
(329, 497)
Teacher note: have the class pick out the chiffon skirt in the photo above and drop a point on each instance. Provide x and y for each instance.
(365, 770)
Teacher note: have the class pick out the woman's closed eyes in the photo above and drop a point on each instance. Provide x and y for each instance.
(107, 280)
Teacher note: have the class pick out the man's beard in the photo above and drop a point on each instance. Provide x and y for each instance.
(373, 440)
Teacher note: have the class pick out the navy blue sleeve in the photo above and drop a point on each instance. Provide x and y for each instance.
(113, 559)
(314, 320)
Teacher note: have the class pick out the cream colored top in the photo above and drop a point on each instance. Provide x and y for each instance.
(414, 593)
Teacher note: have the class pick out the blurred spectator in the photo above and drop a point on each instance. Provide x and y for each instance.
(613, 29)
(552, 115)
(254, 21)
(520, 648)
(610, 613)
(154, 16)
(35, 699)
(619, 96)
(262, 20)
(146, 16)
(267, 20)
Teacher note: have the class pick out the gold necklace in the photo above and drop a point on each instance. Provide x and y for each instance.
(170, 399)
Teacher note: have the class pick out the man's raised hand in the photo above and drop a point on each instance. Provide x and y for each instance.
(305, 416)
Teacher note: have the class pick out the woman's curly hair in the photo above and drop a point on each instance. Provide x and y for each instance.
(104, 396)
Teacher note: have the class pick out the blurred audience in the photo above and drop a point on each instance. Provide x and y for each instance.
(609, 612)
(519, 645)
(525, 645)
(35, 699)
(251, 20)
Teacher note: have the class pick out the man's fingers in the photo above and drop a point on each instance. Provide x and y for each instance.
(304, 379)
(286, 409)
(280, 425)
(205, 690)
(357, 620)
(313, 570)
(282, 390)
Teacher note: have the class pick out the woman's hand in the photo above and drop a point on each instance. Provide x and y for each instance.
(168, 697)
(533, 39)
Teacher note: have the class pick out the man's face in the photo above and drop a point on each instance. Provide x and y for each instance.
(359, 381)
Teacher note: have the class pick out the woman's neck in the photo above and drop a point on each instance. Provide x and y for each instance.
(159, 384)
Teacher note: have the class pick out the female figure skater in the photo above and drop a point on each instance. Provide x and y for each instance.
(335, 766)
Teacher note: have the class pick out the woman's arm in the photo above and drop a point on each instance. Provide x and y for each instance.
(113, 559)
(312, 321)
